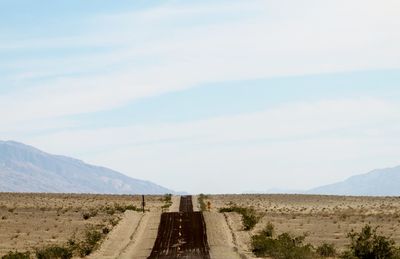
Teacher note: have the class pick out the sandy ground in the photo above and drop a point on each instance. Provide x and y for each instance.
(222, 241)
(175, 203)
(195, 202)
(31, 220)
(321, 218)
(142, 240)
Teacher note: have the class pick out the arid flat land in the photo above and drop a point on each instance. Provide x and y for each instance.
(321, 218)
(30, 221)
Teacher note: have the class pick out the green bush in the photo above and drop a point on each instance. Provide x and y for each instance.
(284, 246)
(121, 208)
(326, 250)
(16, 255)
(166, 206)
(131, 207)
(54, 252)
(369, 245)
(167, 201)
(167, 197)
(249, 215)
(249, 220)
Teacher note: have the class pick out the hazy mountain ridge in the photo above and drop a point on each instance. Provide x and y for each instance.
(379, 182)
(26, 169)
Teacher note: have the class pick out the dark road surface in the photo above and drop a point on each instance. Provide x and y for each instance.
(181, 234)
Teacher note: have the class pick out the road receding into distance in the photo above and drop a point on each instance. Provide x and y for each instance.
(181, 234)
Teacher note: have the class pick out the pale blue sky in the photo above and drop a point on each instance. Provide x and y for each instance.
(206, 96)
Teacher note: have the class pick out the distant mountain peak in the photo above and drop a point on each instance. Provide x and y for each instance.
(24, 168)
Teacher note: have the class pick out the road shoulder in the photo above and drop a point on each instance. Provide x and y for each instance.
(220, 239)
(133, 237)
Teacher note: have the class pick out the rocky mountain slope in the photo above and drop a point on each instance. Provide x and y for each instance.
(26, 169)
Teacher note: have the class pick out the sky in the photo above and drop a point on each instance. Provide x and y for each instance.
(206, 96)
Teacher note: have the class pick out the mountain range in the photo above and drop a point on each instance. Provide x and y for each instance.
(379, 182)
(24, 168)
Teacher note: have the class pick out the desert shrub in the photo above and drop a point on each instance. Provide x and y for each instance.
(85, 215)
(283, 246)
(369, 245)
(114, 221)
(268, 230)
(122, 208)
(326, 250)
(131, 207)
(105, 230)
(16, 255)
(167, 201)
(203, 206)
(119, 208)
(166, 206)
(109, 210)
(249, 220)
(249, 215)
(88, 214)
(87, 246)
(167, 197)
(54, 252)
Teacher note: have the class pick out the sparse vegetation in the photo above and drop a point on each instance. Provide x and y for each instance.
(167, 201)
(82, 248)
(249, 216)
(123, 208)
(326, 250)
(16, 255)
(368, 244)
(203, 205)
(268, 231)
(54, 252)
(88, 214)
(284, 246)
(41, 222)
(91, 241)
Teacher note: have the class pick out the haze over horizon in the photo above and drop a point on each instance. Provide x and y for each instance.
(218, 97)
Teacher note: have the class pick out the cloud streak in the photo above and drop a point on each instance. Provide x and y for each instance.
(309, 39)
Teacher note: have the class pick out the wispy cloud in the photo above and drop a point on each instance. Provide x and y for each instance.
(154, 58)
(288, 140)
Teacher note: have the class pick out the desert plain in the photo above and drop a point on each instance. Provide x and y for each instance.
(30, 221)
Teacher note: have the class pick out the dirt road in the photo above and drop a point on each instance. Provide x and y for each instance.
(181, 234)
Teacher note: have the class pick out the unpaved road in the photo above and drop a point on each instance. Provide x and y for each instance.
(181, 234)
